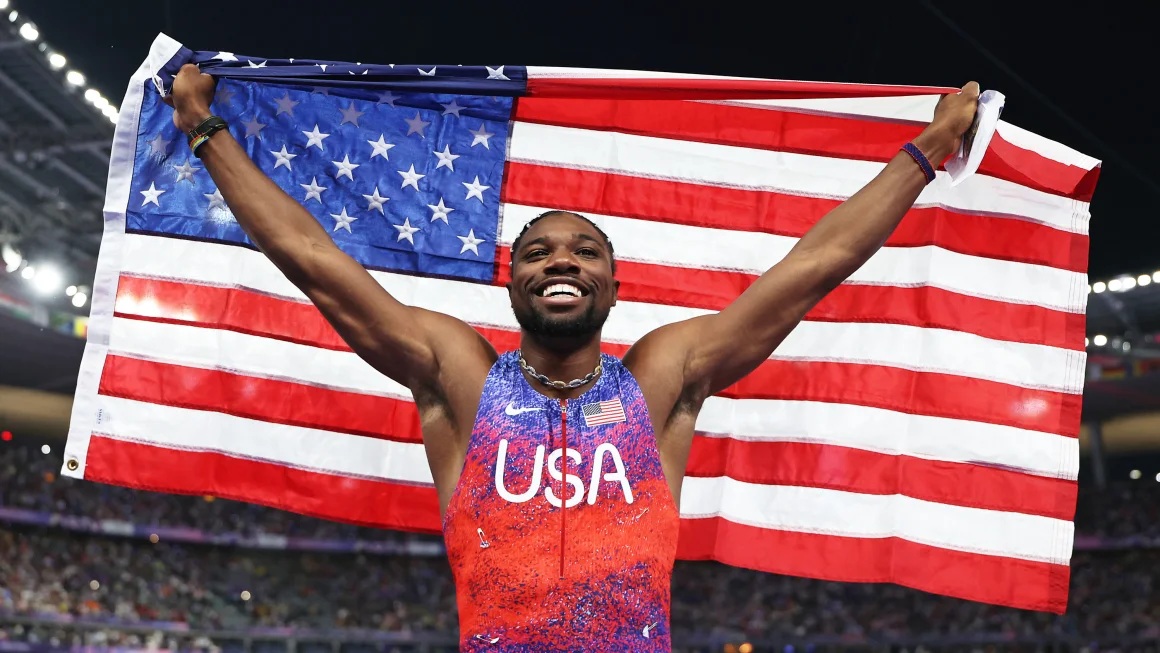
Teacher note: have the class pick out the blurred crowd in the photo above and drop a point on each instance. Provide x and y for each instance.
(47, 571)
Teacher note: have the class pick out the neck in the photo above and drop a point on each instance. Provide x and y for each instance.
(561, 360)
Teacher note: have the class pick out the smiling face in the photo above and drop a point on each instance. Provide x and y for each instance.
(562, 281)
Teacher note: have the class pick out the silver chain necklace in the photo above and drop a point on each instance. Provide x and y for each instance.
(560, 385)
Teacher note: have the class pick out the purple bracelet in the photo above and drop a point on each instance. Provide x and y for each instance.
(921, 160)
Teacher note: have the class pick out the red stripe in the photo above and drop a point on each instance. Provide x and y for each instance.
(868, 472)
(879, 386)
(702, 205)
(352, 500)
(666, 88)
(922, 307)
(771, 463)
(268, 400)
(853, 137)
(977, 577)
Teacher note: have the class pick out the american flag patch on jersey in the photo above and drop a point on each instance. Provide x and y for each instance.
(605, 412)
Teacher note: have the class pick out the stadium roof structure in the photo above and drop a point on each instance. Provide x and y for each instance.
(55, 134)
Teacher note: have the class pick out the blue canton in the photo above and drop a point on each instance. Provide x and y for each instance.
(404, 181)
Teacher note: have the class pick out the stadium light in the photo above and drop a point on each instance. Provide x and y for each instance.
(1086, 342)
(1100, 286)
(1114, 285)
(3, 4)
(92, 94)
(57, 61)
(28, 272)
(94, 584)
(1158, 478)
(12, 258)
(79, 299)
(29, 32)
(13, 16)
(1144, 279)
(46, 450)
(1127, 283)
(1134, 474)
(70, 291)
(75, 78)
(47, 280)
(1100, 340)
(110, 112)
(246, 595)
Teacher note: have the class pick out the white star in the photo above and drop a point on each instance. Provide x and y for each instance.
(387, 97)
(475, 189)
(410, 177)
(376, 201)
(345, 168)
(285, 105)
(496, 73)
(350, 114)
(313, 190)
(257, 65)
(446, 158)
(342, 220)
(380, 147)
(480, 136)
(440, 211)
(424, 73)
(452, 108)
(185, 171)
(322, 66)
(216, 201)
(159, 145)
(254, 128)
(415, 125)
(406, 231)
(315, 138)
(151, 195)
(226, 56)
(224, 95)
(283, 158)
(470, 242)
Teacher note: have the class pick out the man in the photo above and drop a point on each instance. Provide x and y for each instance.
(577, 556)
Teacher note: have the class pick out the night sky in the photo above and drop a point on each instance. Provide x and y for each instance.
(1077, 73)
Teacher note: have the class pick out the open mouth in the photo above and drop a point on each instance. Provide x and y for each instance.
(561, 292)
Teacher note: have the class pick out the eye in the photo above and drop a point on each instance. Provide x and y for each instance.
(588, 251)
(534, 253)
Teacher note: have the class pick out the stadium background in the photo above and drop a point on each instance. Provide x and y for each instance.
(84, 565)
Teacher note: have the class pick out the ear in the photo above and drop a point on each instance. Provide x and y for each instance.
(615, 291)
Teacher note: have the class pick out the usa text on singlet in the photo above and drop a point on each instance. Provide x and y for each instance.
(555, 552)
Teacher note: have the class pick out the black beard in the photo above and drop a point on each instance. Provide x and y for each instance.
(541, 324)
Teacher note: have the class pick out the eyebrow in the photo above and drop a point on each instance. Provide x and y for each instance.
(544, 239)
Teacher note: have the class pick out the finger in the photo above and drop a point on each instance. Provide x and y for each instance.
(971, 89)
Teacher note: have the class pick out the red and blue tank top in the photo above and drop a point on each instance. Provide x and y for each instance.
(555, 551)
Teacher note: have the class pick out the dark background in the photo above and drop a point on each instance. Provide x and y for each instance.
(1081, 74)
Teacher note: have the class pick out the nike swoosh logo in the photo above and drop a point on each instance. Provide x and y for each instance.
(512, 411)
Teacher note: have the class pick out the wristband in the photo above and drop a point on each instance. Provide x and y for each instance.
(921, 160)
(200, 134)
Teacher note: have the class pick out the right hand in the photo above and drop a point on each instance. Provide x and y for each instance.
(191, 97)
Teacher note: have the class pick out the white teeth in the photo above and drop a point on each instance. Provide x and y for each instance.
(560, 287)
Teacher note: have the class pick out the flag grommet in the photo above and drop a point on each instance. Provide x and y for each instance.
(72, 464)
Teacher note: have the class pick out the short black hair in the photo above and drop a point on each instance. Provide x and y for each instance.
(607, 242)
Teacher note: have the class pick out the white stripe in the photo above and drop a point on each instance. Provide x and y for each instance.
(833, 512)
(901, 108)
(1046, 147)
(296, 446)
(561, 72)
(753, 253)
(767, 170)
(861, 427)
(914, 348)
(892, 432)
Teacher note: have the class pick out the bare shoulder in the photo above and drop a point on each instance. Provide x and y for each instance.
(659, 361)
(459, 349)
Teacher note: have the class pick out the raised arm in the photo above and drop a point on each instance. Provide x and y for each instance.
(715, 351)
(400, 341)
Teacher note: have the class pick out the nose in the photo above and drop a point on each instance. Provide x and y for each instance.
(562, 261)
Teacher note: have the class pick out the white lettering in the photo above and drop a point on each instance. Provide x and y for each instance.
(597, 463)
(574, 481)
(537, 471)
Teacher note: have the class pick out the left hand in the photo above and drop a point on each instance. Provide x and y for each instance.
(952, 118)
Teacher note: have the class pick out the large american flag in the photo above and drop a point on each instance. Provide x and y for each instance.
(919, 427)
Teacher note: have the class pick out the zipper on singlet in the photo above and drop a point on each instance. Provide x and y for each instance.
(563, 482)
